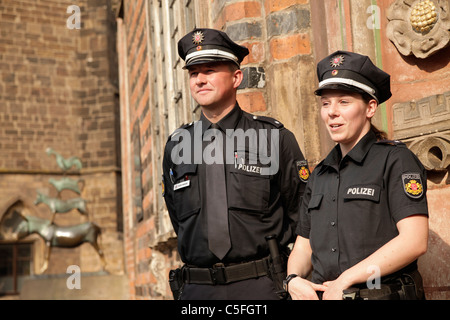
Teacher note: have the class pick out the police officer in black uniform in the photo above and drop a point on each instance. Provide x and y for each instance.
(364, 217)
(233, 183)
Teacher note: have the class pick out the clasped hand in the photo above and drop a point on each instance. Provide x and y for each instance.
(302, 289)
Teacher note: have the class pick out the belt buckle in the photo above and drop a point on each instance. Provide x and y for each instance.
(217, 273)
(351, 293)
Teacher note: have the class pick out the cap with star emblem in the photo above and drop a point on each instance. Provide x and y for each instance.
(353, 72)
(204, 45)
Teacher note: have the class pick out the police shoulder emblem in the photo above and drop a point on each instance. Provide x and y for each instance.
(303, 170)
(412, 184)
(198, 37)
(336, 61)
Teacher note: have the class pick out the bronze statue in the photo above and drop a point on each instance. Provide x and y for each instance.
(63, 163)
(66, 183)
(61, 206)
(17, 226)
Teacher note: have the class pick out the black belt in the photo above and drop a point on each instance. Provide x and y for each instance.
(401, 286)
(221, 274)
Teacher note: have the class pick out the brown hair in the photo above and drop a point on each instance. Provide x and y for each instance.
(380, 135)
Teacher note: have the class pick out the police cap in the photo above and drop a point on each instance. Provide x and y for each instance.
(204, 45)
(353, 72)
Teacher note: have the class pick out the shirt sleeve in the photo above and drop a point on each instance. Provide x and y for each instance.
(292, 187)
(304, 217)
(406, 181)
(168, 186)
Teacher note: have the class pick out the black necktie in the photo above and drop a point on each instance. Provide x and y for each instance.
(216, 201)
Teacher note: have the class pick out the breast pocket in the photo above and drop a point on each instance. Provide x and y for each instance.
(314, 202)
(186, 190)
(248, 189)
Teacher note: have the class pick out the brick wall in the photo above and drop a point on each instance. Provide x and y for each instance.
(57, 86)
(58, 89)
(38, 73)
(133, 66)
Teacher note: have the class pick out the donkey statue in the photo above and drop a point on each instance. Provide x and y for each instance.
(54, 235)
(61, 206)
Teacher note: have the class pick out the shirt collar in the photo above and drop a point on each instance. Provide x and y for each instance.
(230, 120)
(357, 154)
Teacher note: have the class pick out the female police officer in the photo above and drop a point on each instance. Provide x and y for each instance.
(364, 212)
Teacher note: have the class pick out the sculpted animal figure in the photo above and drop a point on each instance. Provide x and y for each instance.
(61, 206)
(59, 236)
(64, 163)
(66, 183)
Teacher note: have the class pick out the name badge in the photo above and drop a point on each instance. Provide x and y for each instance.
(182, 185)
(369, 192)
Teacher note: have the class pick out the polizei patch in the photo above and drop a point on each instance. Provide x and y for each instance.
(369, 192)
(412, 184)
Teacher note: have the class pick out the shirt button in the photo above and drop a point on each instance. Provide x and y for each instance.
(333, 223)
(333, 198)
(333, 249)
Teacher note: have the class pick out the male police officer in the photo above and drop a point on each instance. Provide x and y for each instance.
(230, 179)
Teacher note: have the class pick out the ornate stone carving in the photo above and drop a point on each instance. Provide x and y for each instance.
(419, 117)
(158, 269)
(419, 27)
(424, 126)
(433, 151)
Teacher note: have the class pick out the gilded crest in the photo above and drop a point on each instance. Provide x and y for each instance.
(303, 170)
(412, 184)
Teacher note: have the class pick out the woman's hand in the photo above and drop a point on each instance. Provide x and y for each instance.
(302, 289)
(333, 290)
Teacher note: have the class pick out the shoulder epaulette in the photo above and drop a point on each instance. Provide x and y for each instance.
(391, 142)
(177, 131)
(270, 120)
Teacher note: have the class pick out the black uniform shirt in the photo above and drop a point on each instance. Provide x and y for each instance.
(258, 204)
(351, 206)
